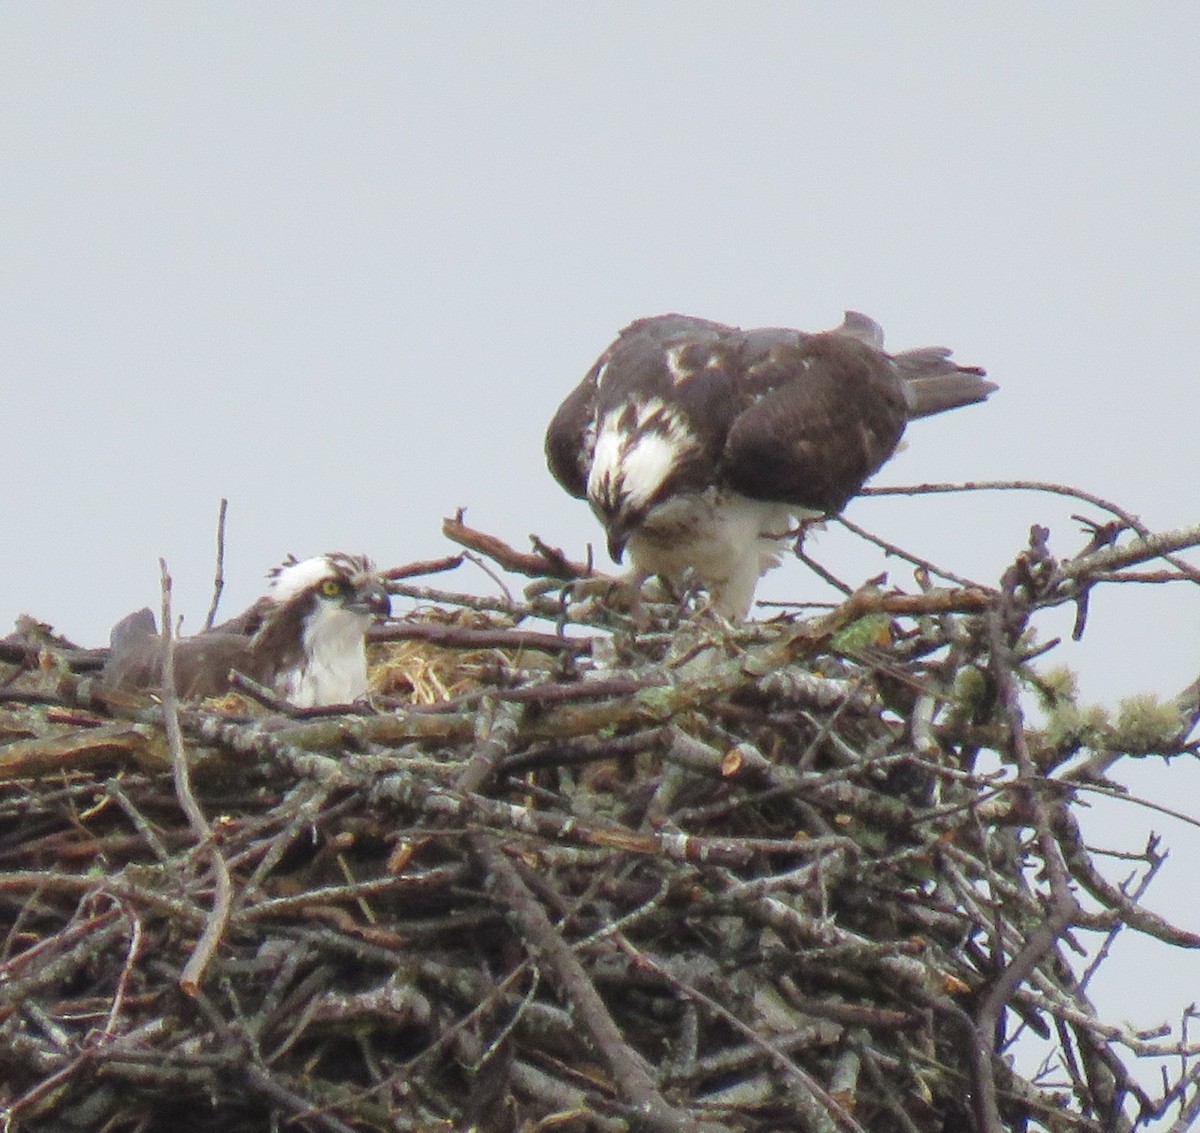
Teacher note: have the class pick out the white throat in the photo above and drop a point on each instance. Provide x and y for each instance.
(334, 669)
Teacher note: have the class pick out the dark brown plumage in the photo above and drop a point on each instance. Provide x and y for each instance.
(202, 663)
(696, 443)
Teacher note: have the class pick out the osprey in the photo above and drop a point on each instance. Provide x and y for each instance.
(305, 639)
(698, 445)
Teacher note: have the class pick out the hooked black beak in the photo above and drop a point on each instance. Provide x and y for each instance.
(371, 598)
(617, 539)
(619, 524)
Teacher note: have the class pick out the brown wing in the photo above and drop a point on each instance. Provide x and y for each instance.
(832, 412)
(202, 665)
(570, 437)
(248, 622)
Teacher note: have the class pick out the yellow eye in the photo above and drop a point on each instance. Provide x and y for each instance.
(331, 588)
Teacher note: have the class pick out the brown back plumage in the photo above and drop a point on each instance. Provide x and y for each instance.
(776, 414)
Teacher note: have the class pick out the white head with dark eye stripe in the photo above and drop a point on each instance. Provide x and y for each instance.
(316, 621)
(349, 580)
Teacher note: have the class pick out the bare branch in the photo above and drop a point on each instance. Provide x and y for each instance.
(214, 928)
(544, 562)
(219, 579)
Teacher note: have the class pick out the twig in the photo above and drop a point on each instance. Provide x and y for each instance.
(78, 660)
(818, 1108)
(1127, 518)
(1189, 1111)
(494, 575)
(1084, 871)
(1154, 862)
(562, 966)
(820, 571)
(423, 567)
(127, 969)
(1142, 549)
(464, 637)
(484, 602)
(219, 580)
(268, 698)
(893, 549)
(214, 927)
(543, 563)
(1063, 907)
(258, 1078)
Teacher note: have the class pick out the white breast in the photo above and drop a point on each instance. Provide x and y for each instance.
(717, 539)
(335, 667)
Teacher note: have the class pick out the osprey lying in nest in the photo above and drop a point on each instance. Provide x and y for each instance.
(305, 639)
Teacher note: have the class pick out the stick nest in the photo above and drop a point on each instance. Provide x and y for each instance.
(578, 870)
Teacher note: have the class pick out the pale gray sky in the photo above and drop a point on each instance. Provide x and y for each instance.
(339, 262)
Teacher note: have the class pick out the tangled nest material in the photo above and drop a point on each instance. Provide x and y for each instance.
(614, 873)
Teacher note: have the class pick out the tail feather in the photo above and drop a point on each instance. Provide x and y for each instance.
(935, 383)
(939, 392)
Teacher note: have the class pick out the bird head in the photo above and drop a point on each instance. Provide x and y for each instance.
(313, 634)
(642, 450)
(333, 584)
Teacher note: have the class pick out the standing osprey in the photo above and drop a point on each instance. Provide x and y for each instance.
(305, 638)
(698, 444)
